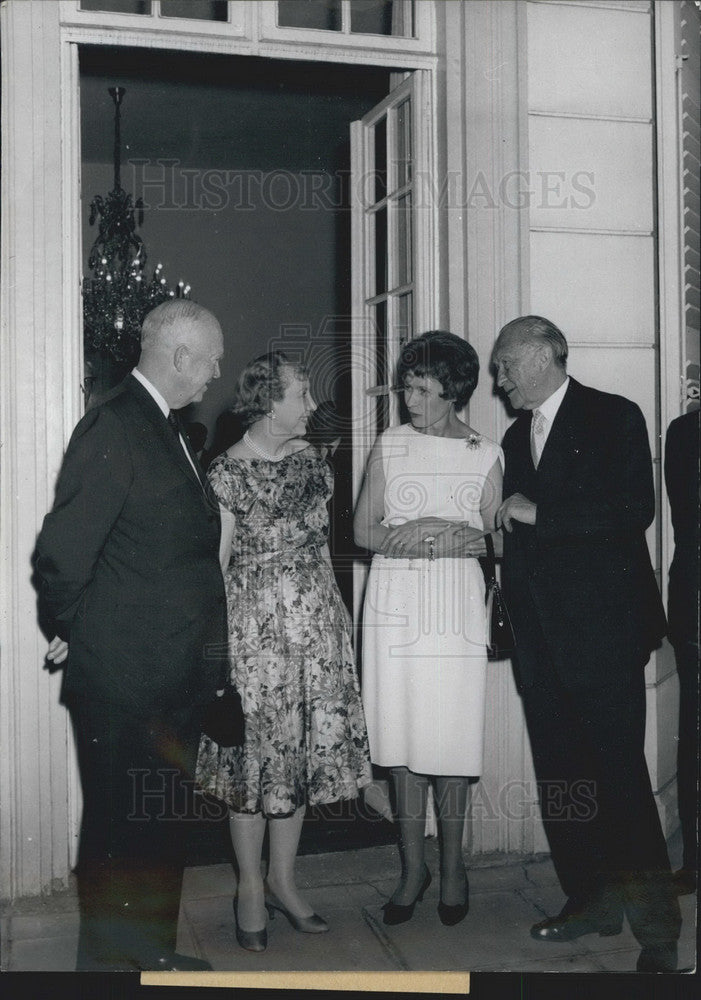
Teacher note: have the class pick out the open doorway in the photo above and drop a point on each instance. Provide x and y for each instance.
(242, 165)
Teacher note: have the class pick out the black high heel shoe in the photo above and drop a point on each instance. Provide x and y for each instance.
(451, 915)
(307, 925)
(250, 940)
(398, 913)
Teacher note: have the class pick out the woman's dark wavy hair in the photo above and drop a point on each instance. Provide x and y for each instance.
(262, 383)
(448, 359)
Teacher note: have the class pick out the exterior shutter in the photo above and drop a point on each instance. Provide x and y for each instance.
(690, 118)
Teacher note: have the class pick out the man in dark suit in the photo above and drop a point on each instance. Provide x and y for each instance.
(681, 470)
(586, 613)
(129, 575)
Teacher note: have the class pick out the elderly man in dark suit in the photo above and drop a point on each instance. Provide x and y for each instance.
(681, 471)
(129, 574)
(586, 613)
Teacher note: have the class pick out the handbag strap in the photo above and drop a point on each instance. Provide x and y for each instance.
(490, 559)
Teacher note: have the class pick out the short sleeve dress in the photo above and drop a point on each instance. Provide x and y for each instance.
(289, 645)
(424, 623)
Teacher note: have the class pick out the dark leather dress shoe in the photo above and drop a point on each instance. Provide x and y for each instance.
(181, 963)
(148, 961)
(684, 881)
(658, 958)
(573, 921)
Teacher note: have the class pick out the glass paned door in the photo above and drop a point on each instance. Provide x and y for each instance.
(388, 260)
(394, 251)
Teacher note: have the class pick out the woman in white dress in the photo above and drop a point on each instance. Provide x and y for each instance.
(431, 491)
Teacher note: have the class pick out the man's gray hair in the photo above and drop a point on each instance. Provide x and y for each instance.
(170, 314)
(527, 329)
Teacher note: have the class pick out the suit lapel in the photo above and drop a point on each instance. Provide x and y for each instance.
(519, 476)
(564, 440)
(163, 429)
(193, 456)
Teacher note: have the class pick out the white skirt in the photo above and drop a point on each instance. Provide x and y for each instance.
(424, 664)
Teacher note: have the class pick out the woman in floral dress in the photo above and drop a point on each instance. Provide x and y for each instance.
(432, 488)
(289, 644)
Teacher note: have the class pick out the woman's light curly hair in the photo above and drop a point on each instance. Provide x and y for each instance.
(262, 383)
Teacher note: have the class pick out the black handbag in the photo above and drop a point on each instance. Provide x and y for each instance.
(223, 719)
(500, 633)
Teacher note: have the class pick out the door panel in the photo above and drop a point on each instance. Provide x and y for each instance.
(394, 241)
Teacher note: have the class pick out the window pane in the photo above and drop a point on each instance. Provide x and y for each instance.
(383, 17)
(382, 375)
(380, 251)
(324, 15)
(405, 318)
(381, 159)
(404, 241)
(118, 6)
(404, 144)
(202, 10)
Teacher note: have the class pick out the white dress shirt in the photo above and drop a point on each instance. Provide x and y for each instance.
(152, 391)
(548, 411)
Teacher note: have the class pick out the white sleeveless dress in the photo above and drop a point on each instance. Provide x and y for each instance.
(424, 628)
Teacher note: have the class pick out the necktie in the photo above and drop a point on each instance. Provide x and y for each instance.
(537, 436)
(174, 423)
(184, 442)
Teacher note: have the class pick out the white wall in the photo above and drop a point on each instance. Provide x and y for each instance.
(551, 122)
(592, 238)
(590, 132)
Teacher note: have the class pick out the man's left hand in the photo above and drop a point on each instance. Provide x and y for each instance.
(58, 650)
(516, 508)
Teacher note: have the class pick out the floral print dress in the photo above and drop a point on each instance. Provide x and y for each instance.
(289, 644)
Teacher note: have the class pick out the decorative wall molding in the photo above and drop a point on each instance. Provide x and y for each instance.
(40, 403)
(584, 231)
(610, 344)
(621, 7)
(584, 116)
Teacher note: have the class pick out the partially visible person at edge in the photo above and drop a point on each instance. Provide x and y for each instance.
(586, 613)
(129, 576)
(431, 491)
(681, 469)
(289, 638)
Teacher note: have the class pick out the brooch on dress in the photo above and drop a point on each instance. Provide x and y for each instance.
(473, 441)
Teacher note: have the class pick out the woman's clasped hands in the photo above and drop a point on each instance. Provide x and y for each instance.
(433, 538)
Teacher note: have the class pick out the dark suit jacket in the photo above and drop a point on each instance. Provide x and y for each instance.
(580, 578)
(681, 469)
(128, 561)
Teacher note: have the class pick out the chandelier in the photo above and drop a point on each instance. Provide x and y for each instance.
(118, 293)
